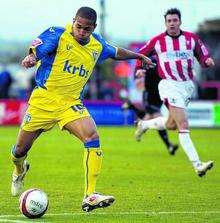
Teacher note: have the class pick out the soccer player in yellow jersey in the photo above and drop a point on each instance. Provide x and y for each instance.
(65, 58)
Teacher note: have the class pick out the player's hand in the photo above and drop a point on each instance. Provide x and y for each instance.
(140, 73)
(147, 62)
(210, 62)
(29, 61)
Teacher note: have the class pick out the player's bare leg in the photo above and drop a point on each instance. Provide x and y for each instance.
(172, 148)
(19, 153)
(142, 128)
(170, 123)
(85, 130)
(180, 117)
(158, 123)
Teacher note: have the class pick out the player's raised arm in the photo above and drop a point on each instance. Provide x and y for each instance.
(118, 53)
(123, 54)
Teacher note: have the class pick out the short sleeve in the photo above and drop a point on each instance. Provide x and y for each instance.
(46, 42)
(108, 50)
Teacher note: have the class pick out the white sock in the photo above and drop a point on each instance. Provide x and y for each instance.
(158, 123)
(189, 148)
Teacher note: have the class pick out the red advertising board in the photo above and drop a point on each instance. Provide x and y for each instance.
(12, 111)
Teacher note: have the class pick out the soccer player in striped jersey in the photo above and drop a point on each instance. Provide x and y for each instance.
(176, 50)
(65, 58)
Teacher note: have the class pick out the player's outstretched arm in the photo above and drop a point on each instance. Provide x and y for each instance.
(29, 61)
(124, 54)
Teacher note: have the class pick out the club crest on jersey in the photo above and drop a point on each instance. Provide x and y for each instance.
(69, 46)
(36, 42)
(95, 55)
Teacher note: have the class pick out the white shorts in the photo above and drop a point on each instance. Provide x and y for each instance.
(176, 93)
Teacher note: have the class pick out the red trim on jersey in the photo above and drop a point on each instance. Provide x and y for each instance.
(200, 51)
(145, 50)
(168, 70)
(176, 44)
(166, 102)
(160, 71)
(162, 43)
(180, 69)
(189, 68)
(188, 40)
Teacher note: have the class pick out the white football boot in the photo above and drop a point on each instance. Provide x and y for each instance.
(203, 167)
(96, 200)
(139, 131)
(17, 181)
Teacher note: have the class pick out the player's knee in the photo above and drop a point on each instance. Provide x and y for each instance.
(171, 126)
(92, 136)
(183, 125)
(174, 127)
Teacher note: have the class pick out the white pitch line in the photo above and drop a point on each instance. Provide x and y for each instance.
(8, 220)
(20, 221)
(122, 213)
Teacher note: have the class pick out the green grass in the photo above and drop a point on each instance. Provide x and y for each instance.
(148, 184)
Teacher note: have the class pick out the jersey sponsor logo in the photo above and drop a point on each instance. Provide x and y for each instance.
(69, 68)
(178, 55)
(36, 42)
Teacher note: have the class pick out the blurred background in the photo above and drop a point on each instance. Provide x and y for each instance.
(123, 23)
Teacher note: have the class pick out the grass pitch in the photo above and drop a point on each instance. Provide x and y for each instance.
(149, 185)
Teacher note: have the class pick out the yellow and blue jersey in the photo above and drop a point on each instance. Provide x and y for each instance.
(65, 66)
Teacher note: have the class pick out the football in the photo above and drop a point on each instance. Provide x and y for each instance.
(33, 203)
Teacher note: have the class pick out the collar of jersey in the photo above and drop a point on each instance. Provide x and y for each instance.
(175, 37)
